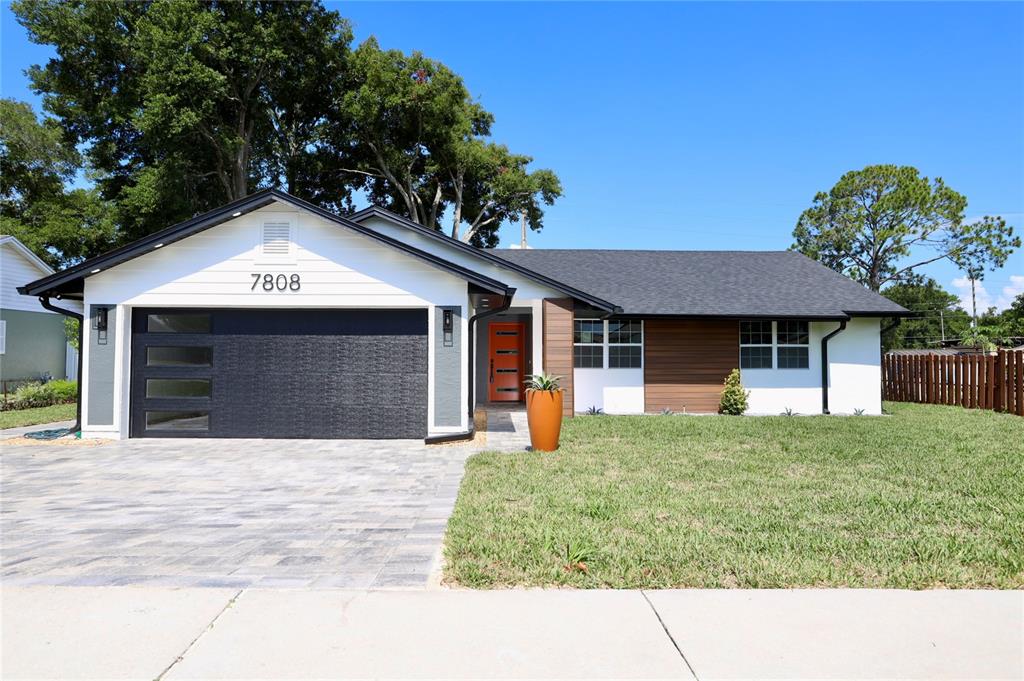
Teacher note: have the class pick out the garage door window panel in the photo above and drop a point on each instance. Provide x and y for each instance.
(178, 322)
(179, 356)
(180, 388)
(194, 421)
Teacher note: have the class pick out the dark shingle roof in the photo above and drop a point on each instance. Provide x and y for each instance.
(707, 283)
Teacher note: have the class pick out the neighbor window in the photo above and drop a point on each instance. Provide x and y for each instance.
(755, 344)
(793, 344)
(625, 344)
(588, 344)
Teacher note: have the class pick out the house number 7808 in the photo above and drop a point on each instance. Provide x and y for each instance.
(279, 282)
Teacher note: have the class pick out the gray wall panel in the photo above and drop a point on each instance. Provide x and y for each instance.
(100, 378)
(448, 404)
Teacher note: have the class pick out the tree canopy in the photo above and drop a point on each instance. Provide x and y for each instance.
(936, 315)
(878, 225)
(60, 225)
(178, 107)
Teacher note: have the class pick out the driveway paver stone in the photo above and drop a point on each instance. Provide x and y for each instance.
(227, 513)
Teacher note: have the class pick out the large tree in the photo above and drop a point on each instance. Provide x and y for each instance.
(61, 226)
(420, 145)
(184, 105)
(878, 225)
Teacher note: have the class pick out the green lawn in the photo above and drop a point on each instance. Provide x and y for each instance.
(927, 497)
(31, 417)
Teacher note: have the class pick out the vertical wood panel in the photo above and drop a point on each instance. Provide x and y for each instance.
(557, 343)
(686, 363)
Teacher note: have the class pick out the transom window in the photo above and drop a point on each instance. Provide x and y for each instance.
(786, 341)
(620, 340)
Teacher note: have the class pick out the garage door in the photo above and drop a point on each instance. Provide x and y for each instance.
(279, 373)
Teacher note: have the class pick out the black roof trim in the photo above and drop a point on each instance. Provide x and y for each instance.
(230, 211)
(376, 211)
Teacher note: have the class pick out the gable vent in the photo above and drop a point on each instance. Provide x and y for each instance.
(277, 237)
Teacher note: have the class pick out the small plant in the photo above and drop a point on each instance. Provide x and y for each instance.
(599, 508)
(734, 397)
(594, 411)
(789, 412)
(543, 381)
(666, 412)
(858, 412)
(576, 556)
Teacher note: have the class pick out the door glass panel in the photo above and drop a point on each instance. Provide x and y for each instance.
(178, 357)
(506, 352)
(177, 420)
(178, 323)
(177, 387)
(506, 333)
(507, 371)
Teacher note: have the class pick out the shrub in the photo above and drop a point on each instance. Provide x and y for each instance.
(734, 397)
(43, 394)
(542, 381)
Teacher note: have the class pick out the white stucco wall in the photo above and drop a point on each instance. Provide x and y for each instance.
(615, 391)
(338, 269)
(854, 374)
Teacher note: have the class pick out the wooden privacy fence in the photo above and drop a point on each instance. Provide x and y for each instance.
(975, 381)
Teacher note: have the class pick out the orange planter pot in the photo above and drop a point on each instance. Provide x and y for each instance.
(544, 414)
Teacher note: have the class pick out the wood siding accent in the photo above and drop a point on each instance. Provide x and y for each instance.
(558, 346)
(686, 362)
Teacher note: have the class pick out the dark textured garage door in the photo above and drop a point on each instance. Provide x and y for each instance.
(279, 373)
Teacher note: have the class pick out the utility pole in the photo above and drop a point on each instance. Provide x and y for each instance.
(942, 324)
(522, 224)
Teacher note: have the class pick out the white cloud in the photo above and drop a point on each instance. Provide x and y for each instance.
(985, 299)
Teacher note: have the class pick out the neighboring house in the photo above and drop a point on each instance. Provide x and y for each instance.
(32, 339)
(271, 317)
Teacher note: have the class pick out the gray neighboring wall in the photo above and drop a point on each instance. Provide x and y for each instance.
(100, 377)
(448, 404)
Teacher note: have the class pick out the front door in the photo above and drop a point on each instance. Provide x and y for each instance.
(505, 363)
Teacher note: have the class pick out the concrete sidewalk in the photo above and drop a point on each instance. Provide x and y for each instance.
(153, 633)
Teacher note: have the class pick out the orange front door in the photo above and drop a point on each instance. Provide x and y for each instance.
(505, 362)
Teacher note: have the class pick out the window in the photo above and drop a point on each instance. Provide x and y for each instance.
(793, 344)
(177, 387)
(788, 340)
(178, 323)
(588, 344)
(755, 345)
(177, 420)
(178, 357)
(625, 344)
(623, 340)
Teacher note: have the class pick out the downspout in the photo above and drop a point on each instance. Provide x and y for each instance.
(44, 300)
(824, 366)
(471, 374)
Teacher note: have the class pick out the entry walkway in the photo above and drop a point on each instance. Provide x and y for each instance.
(159, 633)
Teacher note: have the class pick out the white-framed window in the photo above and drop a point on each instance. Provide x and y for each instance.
(783, 344)
(756, 344)
(793, 340)
(3, 336)
(588, 343)
(621, 341)
(625, 344)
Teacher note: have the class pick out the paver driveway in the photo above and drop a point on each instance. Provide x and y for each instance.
(226, 512)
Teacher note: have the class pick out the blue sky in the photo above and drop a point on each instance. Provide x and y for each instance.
(711, 126)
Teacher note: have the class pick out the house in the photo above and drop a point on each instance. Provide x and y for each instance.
(272, 317)
(33, 343)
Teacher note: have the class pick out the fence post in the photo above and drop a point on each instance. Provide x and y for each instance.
(1020, 381)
